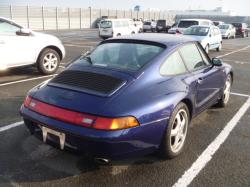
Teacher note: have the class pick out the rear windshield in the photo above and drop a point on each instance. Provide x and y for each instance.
(223, 26)
(125, 56)
(106, 24)
(237, 24)
(161, 22)
(197, 31)
(186, 24)
(147, 23)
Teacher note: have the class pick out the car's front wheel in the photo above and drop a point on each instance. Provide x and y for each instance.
(48, 61)
(226, 92)
(176, 132)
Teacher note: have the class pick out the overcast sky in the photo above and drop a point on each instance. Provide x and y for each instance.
(241, 7)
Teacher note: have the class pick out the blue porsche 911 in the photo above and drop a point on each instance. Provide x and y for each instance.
(131, 95)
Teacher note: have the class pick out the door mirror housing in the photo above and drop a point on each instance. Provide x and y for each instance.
(24, 32)
(216, 62)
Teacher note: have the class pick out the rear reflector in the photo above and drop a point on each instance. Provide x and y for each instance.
(78, 118)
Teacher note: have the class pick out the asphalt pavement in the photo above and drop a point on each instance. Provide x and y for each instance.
(27, 161)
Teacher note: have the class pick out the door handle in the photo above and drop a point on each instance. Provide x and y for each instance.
(200, 80)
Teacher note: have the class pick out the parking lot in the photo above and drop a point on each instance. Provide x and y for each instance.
(27, 161)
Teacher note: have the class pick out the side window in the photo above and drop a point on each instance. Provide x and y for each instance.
(206, 60)
(173, 65)
(7, 28)
(192, 57)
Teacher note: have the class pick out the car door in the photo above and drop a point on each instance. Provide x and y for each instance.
(209, 80)
(15, 49)
(211, 38)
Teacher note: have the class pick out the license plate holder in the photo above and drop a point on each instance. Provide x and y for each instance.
(60, 135)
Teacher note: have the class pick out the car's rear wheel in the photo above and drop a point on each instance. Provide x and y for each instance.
(176, 132)
(48, 61)
(226, 92)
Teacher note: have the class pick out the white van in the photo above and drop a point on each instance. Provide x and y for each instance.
(183, 24)
(117, 27)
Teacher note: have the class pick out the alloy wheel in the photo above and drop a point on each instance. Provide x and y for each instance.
(50, 62)
(178, 131)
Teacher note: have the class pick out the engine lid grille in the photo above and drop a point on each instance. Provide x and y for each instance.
(88, 82)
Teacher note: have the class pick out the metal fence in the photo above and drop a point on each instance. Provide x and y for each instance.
(56, 18)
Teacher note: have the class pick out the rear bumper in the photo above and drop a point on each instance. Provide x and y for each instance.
(136, 141)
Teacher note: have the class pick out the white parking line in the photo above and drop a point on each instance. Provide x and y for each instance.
(239, 94)
(13, 125)
(25, 80)
(207, 154)
(236, 51)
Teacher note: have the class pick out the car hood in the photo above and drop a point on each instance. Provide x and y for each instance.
(197, 38)
(84, 89)
(223, 31)
(46, 37)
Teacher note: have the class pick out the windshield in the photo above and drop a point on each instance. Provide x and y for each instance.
(237, 24)
(223, 26)
(161, 22)
(198, 31)
(126, 56)
(147, 23)
(186, 24)
(106, 24)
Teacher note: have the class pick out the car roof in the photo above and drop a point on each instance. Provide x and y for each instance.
(165, 39)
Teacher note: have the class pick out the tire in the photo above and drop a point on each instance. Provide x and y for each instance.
(226, 93)
(48, 61)
(174, 139)
(218, 49)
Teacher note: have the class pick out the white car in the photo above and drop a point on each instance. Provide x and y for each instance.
(21, 47)
(208, 36)
(227, 31)
(117, 27)
(183, 24)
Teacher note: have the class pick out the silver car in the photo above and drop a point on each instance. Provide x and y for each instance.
(227, 31)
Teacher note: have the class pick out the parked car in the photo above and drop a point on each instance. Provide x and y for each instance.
(227, 31)
(113, 105)
(117, 27)
(217, 23)
(149, 26)
(22, 47)
(161, 26)
(208, 36)
(183, 24)
(241, 29)
(98, 20)
(139, 24)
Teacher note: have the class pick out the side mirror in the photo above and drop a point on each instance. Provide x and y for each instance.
(24, 32)
(216, 62)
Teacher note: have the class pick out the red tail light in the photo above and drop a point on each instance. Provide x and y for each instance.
(78, 118)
